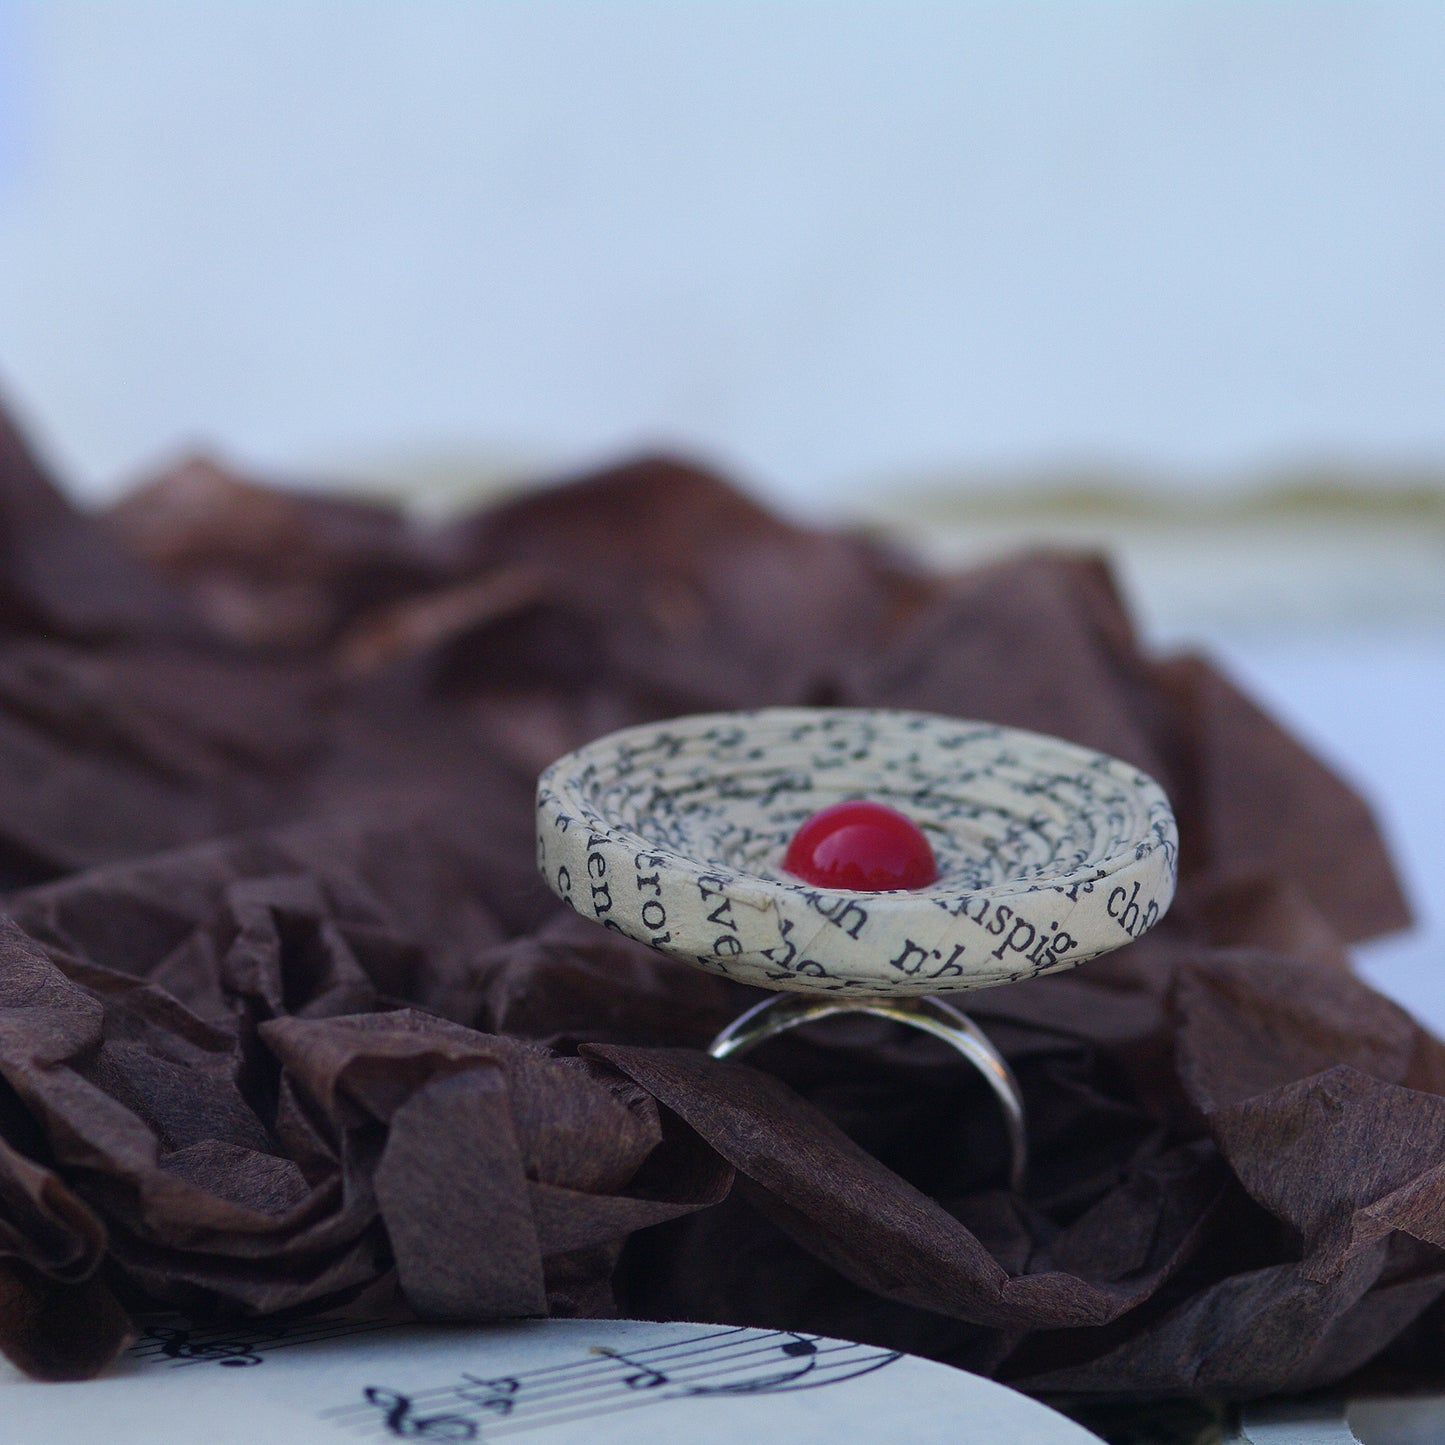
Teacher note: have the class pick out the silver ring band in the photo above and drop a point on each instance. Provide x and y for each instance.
(786, 1011)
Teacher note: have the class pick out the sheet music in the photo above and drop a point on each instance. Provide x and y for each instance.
(544, 1381)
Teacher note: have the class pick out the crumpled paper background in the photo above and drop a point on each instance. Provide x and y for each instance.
(287, 1023)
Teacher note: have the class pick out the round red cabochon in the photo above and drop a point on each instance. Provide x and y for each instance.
(862, 846)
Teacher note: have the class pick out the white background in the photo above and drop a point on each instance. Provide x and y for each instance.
(832, 246)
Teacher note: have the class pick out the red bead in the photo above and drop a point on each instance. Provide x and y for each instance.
(861, 846)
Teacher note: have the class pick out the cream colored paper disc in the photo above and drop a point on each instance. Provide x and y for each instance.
(674, 834)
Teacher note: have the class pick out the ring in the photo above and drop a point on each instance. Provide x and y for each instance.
(776, 1015)
(675, 833)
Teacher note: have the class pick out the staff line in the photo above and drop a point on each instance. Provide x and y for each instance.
(157, 1349)
(884, 1357)
(571, 1413)
(607, 1365)
(582, 1395)
(219, 1334)
(602, 1362)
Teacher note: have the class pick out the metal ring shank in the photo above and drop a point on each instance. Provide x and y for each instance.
(786, 1011)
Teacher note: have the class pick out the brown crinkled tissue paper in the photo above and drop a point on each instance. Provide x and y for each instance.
(288, 1024)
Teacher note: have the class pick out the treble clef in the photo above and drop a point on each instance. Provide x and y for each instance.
(396, 1408)
(179, 1344)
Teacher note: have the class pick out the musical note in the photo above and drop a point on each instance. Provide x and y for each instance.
(723, 1362)
(498, 1395)
(645, 1378)
(798, 1347)
(400, 1421)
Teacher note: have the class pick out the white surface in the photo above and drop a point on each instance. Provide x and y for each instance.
(1401, 1420)
(1316, 1422)
(829, 245)
(1387, 1420)
(609, 1382)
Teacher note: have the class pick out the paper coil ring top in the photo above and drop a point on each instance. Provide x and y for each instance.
(674, 834)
